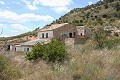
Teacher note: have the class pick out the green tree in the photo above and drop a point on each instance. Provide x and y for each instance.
(52, 52)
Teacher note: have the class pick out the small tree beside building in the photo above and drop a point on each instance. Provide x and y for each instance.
(52, 52)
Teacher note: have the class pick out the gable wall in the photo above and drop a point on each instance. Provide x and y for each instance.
(66, 29)
(50, 34)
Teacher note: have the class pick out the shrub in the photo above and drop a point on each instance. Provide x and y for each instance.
(37, 52)
(116, 34)
(106, 6)
(104, 16)
(99, 36)
(110, 43)
(52, 52)
(103, 40)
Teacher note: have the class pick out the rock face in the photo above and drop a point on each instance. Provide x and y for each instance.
(114, 31)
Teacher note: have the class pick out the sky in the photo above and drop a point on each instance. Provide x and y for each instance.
(20, 16)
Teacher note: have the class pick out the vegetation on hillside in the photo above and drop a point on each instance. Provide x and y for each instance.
(106, 12)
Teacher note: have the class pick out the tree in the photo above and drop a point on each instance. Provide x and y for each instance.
(52, 52)
(106, 6)
(104, 16)
(99, 36)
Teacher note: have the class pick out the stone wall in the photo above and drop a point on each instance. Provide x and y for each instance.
(66, 29)
(69, 41)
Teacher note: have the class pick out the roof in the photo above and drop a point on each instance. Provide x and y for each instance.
(33, 42)
(52, 27)
(80, 26)
(17, 45)
(10, 43)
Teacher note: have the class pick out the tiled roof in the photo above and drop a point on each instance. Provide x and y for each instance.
(33, 42)
(52, 27)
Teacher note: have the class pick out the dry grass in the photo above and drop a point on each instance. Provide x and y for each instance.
(95, 64)
(8, 71)
(84, 64)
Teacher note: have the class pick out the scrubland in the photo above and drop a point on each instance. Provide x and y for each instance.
(83, 63)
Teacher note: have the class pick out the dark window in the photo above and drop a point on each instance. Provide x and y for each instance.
(74, 34)
(70, 35)
(42, 35)
(27, 49)
(81, 34)
(46, 35)
(15, 49)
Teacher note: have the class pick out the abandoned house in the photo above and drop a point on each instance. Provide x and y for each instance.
(66, 32)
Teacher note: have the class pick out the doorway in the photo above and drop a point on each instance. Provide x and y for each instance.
(70, 35)
(81, 34)
(8, 47)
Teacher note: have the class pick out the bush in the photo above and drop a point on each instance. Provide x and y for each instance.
(110, 43)
(106, 6)
(99, 36)
(103, 40)
(52, 52)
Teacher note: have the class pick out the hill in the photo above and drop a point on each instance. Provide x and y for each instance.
(103, 13)
(106, 12)
(22, 37)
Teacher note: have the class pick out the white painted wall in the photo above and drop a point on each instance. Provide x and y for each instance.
(50, 34)
(18, 48)
(24, 48)
(81, 29)
(12, 48)
(84, 30)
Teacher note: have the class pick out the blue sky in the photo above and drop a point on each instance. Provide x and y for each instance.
(20, 16)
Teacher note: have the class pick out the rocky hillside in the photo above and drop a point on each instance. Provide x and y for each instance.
(103, 13)
(106, 12)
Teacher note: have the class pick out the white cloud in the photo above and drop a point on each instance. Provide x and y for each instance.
(1, 2)
(58, 6)
(13, 29)
(18, 3)
(55, 3)
(30, 5)
(61, 9)
(2, 25)
(9, 16)
(90, 2)
(19, 27)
